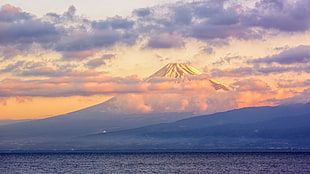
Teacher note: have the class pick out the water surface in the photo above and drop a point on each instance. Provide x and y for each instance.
(154, 163)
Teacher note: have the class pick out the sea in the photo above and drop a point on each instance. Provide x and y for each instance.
(155, 162)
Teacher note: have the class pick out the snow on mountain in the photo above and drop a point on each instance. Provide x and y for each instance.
(185, 72)
(176, 70)
(217, 85)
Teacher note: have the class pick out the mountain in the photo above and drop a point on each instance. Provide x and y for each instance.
(79, 123)
(112, 118)
(282, 128)
(107, 116)
(176, 70)
(185, 72)
(7, 122)
(279, 128)
(104, 117)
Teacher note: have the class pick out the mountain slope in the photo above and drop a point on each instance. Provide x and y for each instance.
(281, 127)
(101, 117)
(7, 122)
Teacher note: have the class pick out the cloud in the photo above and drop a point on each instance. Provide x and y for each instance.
(92, 82)
(116, 22)
(3, 100)
(136, 96)
(19, 28)
(238, 72)
(301, 97)
(208, 50)
(9, 13)
(177, 102)
(252, 84)
(81, 41)
(165, 41)
(73, 36)
(169, 25)
(293, 83)
(23, 99)
(283, 69)
(283, 15)
(78, 55)
(182, 15)
(94, 63)
(300, 54)
(10, 51)
(28, 32)
(142, 12)
(288, 60)
(45, 69)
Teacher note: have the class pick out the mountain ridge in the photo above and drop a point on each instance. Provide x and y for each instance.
(283, 128)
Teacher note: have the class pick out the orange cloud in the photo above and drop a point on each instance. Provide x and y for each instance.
(10, 8)
(259, 98)
(3, 100)
(163, 95)
(252, 85)
(79, 55)
(23, 99)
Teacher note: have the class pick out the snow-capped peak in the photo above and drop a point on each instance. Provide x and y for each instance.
(184, 71)
(176, 70)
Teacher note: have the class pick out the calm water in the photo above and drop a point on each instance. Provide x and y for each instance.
(155, 163)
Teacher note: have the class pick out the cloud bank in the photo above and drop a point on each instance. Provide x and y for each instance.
(84, 46)
(166, 26)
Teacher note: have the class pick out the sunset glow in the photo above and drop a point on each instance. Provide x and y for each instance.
(58, 57)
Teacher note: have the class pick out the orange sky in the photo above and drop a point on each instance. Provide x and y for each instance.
(67, 60)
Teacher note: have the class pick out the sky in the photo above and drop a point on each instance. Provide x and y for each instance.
(60, 56)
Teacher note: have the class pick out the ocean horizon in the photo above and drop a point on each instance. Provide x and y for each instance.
(154, 162)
